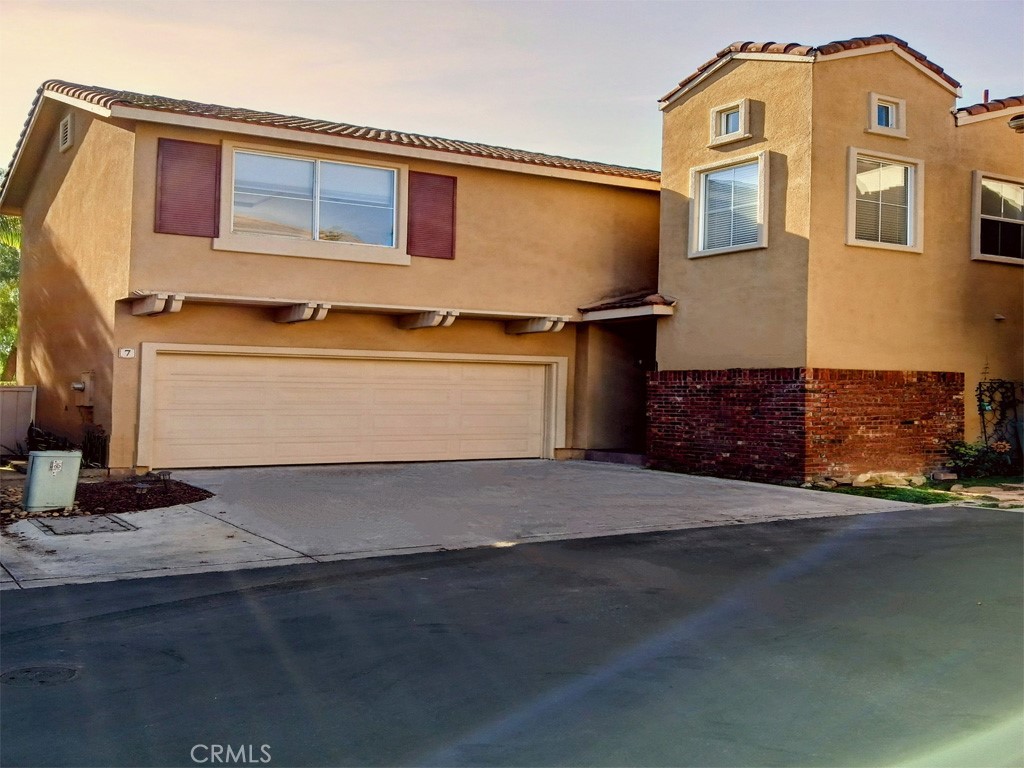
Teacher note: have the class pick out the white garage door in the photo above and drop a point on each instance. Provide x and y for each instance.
(236, 410)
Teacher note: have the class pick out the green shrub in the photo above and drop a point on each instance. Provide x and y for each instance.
(980, 460)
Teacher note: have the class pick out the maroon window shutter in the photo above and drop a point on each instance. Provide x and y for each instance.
(187, 188)
(431, 215)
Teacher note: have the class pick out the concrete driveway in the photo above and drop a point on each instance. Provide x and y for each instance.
(289, 515)
(350, 510)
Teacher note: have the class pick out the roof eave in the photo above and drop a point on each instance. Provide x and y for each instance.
(140, 114)
(688, 84)
(962, 117)
(26, 159)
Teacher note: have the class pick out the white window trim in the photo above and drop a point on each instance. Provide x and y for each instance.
(697, 202)
(916, 201)
(976, 254)
(717, 139)
(900, 109)
(310, 249)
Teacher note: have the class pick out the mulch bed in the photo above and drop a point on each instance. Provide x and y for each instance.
(108, 496)
(123, 495)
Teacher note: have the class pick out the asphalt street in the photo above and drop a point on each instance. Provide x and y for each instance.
(885, 639)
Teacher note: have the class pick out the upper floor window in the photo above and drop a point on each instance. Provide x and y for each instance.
(884, 201)
(313, 199)
(729, 204)
(998, 214)
(887, 116)
(253, 199)
(730, 122)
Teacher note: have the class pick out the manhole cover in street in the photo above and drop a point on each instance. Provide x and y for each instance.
(29, 677)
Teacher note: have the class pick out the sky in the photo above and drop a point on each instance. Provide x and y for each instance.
(580, 79)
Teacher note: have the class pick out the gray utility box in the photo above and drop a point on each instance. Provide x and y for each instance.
(52, 480)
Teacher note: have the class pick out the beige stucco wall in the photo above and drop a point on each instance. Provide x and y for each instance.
(815, 301)
(524, 243)
(744, 309)
(874, 308)
(74, 267)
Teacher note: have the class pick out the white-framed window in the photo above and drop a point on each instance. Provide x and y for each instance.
(887, 116)
(885, 201)
(729, 206)
(730, 122)
(299, 203)
(997, 232)
(312, 199)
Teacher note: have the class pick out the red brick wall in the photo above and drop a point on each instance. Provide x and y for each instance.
(742, 423)
(863, 421)
(789, 424)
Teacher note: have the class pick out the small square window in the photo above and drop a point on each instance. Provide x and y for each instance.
(730, 122)
(887, 116)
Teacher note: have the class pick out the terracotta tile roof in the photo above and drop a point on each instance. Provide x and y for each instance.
(798, 49)
(105, 97)
(992, 106)
(630, 301)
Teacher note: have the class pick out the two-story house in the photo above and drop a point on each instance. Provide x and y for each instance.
(230, 287)
(219, 286)
(846, 247)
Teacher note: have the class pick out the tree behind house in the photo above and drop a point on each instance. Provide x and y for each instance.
(10, 264)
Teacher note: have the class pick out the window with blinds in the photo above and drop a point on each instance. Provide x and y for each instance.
(729, 200)
(998, 219)
(730, 207)
(883, 206)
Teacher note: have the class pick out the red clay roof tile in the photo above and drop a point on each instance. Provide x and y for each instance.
(993, 105)
(630, 301)
(797, 49)
(107, 98)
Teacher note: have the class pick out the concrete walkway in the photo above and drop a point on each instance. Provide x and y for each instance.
(283, 515)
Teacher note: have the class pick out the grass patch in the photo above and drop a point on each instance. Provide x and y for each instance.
(909, 495)
(970, 482)
(936, 491)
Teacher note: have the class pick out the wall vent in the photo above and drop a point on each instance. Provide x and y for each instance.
(65, 134)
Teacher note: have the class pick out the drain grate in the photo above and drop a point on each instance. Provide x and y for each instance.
(31, 677)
